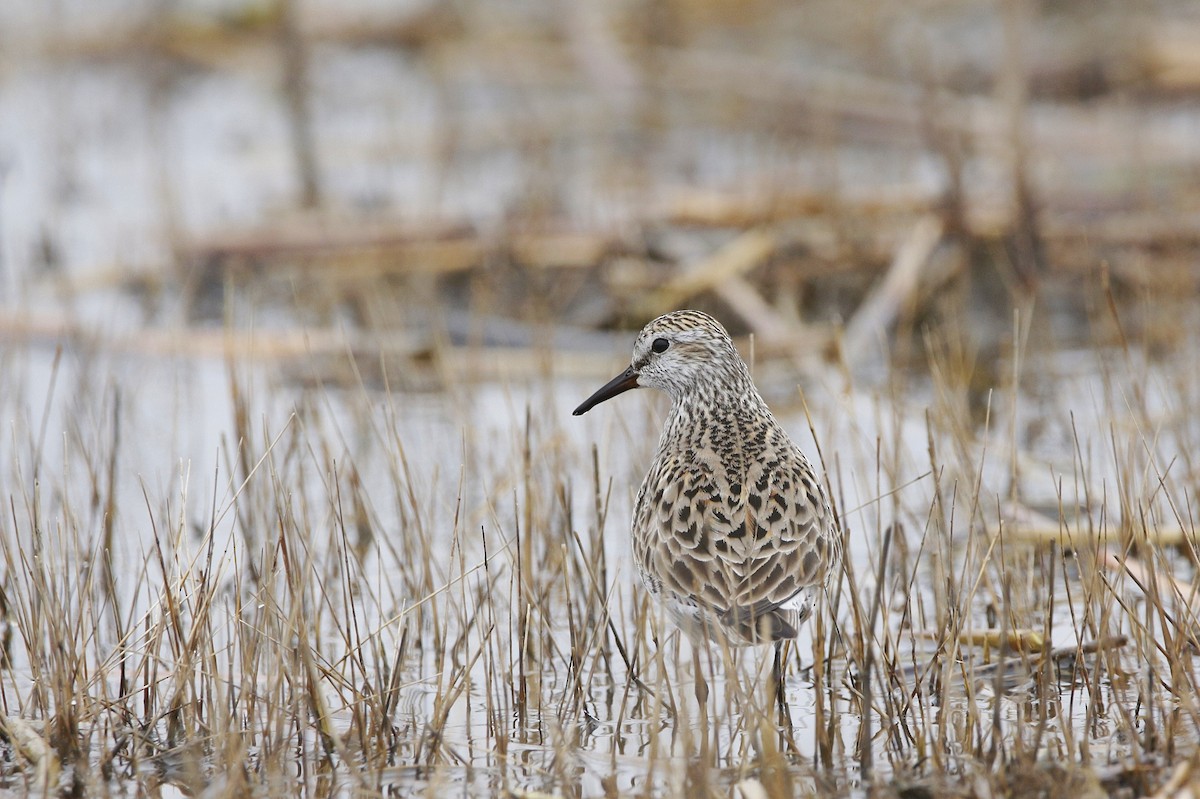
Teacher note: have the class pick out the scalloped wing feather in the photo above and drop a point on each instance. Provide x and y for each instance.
(746, 552)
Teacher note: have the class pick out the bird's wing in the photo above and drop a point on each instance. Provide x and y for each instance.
(737, 547)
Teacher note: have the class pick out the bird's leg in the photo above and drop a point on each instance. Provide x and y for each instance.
(786, 739)
(701, 685)
(701, 688)
(777, 673)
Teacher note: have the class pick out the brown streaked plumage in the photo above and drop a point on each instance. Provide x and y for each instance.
(732, 528)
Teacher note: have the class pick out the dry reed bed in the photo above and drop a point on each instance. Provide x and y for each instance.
(377, 612)
(341, 599)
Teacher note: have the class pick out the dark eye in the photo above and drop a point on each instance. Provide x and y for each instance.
(660, 345)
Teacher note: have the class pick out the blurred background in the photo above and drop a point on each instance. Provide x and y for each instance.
(411, 180)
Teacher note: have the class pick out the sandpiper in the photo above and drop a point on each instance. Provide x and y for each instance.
(732, 529)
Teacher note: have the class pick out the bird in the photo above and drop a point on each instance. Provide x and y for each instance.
(732, 528)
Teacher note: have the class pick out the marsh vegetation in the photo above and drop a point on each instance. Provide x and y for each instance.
(294, 502)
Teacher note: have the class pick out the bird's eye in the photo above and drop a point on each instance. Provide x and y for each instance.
(660, 345)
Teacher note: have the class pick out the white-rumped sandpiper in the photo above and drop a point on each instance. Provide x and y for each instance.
(732, 528)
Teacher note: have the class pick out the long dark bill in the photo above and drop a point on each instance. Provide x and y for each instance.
(618, 385)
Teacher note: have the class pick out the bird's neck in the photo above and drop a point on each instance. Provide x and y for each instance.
(695, 414)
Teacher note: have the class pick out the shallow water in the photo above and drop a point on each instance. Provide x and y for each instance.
(482, 465)
(453, 536)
